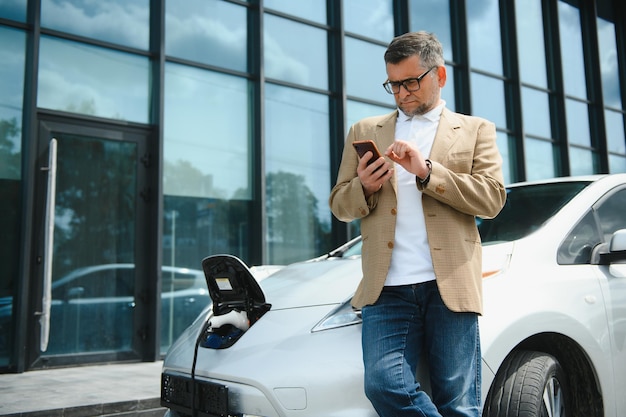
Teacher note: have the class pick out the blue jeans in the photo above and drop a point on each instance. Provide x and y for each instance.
(407, 322)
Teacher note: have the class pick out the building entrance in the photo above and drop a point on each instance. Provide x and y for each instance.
(88, 290)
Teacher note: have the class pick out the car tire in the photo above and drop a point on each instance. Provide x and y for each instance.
(528, 384)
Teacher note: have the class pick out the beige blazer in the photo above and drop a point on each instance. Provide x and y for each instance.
(466, 181)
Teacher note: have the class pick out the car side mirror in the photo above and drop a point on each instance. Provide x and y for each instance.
(614, 251)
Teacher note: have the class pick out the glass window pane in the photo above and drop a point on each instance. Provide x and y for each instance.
(208, 31)
(484, 35)
(447, 92)
(581, 161)
(536, 113)
(356, 111)
(488, 99)
(572, 50)
(118, 21)
(314, 10)
(530, 42)
(13, 9)
(608, 64)
(365, 71)
(577, 122)
(371, 18)
(297, 172)
(100, 82)
(202, 162)
(539, 159)
(617, 164)
(507, 158)
(12, 56)
(435, 18)
(300, 58)
(615, 138)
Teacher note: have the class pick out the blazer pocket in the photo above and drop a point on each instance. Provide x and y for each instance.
(460, 162)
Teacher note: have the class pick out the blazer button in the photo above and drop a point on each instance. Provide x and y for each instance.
(394, 211)
(363, 213)
(390, 245)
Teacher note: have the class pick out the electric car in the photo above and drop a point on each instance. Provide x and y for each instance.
(553, 332)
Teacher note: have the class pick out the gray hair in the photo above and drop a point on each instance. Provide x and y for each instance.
(424, 44)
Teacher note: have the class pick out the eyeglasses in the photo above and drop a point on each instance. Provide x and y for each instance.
(410, 84)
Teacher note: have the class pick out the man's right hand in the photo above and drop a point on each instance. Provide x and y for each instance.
(374, 175)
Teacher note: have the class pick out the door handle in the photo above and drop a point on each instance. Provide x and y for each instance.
(46, 298)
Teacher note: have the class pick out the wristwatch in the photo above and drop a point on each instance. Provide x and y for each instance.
(424, 182)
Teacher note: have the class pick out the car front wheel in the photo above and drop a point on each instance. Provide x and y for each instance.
(529, 384)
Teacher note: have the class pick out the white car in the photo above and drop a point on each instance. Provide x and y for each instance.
(553, 332)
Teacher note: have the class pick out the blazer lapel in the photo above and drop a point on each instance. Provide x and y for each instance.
(446, 136)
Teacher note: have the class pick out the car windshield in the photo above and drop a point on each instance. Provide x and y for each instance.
(526, 209)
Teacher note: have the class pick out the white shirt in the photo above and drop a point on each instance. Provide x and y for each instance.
(411, 262)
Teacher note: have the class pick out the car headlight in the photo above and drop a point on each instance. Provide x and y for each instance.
(343, 315)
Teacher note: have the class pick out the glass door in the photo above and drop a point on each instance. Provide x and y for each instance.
(90, 227)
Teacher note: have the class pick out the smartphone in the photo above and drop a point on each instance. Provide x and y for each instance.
(362, 146)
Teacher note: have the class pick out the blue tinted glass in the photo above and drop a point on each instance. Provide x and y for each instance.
(580, 161)
(433, 16)
(447, 92)
(539, 159)
(488, 99)
(615, 138)
(12, 56)
(370, 18)
(536, 112)
(199, 161)
(100, 82)
(118, 21)
(577, 123)
(207, 31)
(572, 50)
(297, 174)
(608, 64)
(314, 10)
(531, 50)
(484, 35)
(356, 111)
(13, 9)
(617, 164)
(365, 71)
(300, 58)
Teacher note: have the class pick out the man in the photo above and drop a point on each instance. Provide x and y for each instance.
(421, 291)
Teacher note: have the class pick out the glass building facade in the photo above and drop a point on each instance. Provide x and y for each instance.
(138, 137)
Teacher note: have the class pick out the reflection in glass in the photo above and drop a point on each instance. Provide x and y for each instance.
(572, 50)
(577, 123)
(488, 99)
(356, 111)
(99, 82)
(365, 70)
(536, 112)
(530, 42)
(13, 9)
(117, 21)
(539, 159)
(297, 174)
(615, 138)
(608, 63)
(314, 10)
(483, 29)
(370, 18)
(433, 16)
(581, 161)
(208, 31)
(207, 137)
(12, 57)
(300, 58)
(93, 284)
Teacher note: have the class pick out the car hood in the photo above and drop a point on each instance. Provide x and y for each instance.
(313, 283)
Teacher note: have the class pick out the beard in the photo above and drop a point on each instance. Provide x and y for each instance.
(424, 106)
